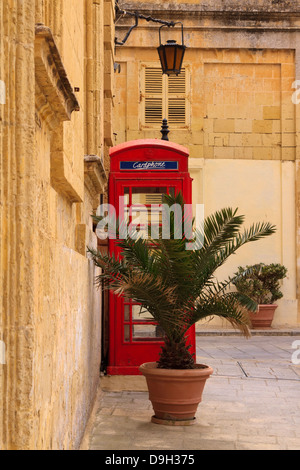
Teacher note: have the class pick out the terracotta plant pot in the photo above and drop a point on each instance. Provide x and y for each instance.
(264, 316)
(175, 394)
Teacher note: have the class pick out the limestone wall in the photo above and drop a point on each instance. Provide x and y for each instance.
(52, 159)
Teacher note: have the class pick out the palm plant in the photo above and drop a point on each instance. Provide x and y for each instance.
(178, 286)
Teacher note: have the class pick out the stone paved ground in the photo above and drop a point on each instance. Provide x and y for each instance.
(251, 402)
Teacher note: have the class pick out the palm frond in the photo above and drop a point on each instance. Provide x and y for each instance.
(229, 306)
(114, 269)
(220, 228)
(254, 233)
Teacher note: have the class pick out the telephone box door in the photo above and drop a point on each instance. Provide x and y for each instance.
(135, 337)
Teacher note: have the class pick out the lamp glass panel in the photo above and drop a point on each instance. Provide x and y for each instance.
(179, 57)
(162, 58)
(170, 56)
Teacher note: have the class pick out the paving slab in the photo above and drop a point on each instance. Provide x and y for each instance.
(251, 402)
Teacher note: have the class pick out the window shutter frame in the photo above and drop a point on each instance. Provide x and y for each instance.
(173, 94)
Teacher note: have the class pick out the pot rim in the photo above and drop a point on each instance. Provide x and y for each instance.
(150, 368)
(263, 307)
(268, 305)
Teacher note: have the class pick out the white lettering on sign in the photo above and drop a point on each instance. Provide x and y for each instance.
(149, 165)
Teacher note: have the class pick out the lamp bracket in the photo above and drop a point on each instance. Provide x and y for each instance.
(138, 16)
(177, 22)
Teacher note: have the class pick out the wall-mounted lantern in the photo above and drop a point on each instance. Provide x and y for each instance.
(171, 54)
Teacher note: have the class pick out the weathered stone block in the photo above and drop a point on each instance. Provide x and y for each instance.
(272, 112)
(262, 127)
(224, 125)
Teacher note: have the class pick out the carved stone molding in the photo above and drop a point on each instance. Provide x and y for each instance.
(55, 99)
(216, 15)
(95, 177)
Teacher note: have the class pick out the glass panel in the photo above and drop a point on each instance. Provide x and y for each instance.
(146, 332)
(179, 57)
(148, 195)
(155, 215)
(170, 56)
(124, 202)
(126, 196)
(140, 314)
(126, 333)
(139, 218)
(126, 312)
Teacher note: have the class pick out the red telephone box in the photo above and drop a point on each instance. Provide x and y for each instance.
(141, 171)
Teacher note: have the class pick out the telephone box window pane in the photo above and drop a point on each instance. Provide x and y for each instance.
(126, 196)
(146, 333)
(148, 195)
(140, 314)
(127, 333)
(140, 220)
(126, 312)
(156, 216)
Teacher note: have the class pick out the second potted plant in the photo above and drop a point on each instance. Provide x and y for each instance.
(261, 282)
(178, 287)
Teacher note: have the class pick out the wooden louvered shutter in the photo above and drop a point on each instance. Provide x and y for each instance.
(177, 98)
(153, 95)
(165, 97)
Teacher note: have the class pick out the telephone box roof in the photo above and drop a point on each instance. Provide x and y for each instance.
(148, 143)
